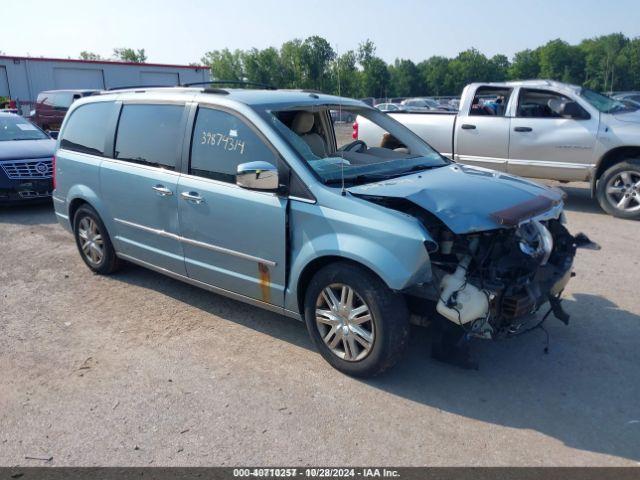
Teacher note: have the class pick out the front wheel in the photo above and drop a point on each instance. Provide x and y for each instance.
(618, 190)
(357, 323)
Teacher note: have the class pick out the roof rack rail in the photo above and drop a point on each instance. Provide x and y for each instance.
(132, 87)
(231, 82)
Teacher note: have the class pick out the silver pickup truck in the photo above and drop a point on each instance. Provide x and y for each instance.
(539, 129)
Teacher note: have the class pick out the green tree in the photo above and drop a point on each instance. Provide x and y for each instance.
(525, 65)
(629, 57)
(498, 68)
(224, 64)
(291, 63)
(347, 76)
(316, 57)
(404, 79)
(434, 76)
(375, 74)
(85, 55)
(469, 66)
(130, 55)
(561, 61)
(263, 66)
(604, 61)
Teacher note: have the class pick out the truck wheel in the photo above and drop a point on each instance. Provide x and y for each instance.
(618, 190)
(357, 323)
(93, 241)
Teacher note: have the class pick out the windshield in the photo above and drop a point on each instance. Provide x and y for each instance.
(331, 150)
(17, 128)
(603, 103)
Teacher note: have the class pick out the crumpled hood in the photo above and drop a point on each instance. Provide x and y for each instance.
(468, 199)
(20, 149)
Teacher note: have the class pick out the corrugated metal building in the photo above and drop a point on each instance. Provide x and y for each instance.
(22, 78)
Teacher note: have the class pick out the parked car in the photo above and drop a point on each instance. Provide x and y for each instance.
(390, 107)
(631, 99)
(26, 154)
(541, 129)
(253, 194)
(52, 105)
(425, 104)
(339, 115)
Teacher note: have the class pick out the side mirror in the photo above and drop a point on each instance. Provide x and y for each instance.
(573, 110)
(53, 134)
(257, 176)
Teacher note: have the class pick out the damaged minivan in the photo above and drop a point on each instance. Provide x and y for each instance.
(264, 196)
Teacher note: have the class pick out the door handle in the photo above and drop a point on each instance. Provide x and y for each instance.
(468, 126)
(162, 190)
(523, 129)
(192, 197)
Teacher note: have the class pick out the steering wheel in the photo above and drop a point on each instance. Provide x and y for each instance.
(355, 146)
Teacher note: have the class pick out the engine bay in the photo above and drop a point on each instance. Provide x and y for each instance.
(492, 283)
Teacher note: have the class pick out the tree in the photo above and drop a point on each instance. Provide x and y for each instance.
(469, 66)
(499, 68)
(316, 56)
(263, 66)
(404, 79)
(85, 55)
(375, 75)
(434, 76)
(561, 61)
(610, 62)
(291, 63)
(604, 61)
(224, 64)
(525, 65)
(130, 55)
(347, 76)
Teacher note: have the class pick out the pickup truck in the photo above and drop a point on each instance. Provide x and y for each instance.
(538, 129)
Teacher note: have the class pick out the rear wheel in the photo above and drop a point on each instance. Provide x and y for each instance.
(618, 190)
(357, 323)
(93, 241)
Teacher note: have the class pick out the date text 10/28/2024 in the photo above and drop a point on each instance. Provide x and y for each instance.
(316, 472)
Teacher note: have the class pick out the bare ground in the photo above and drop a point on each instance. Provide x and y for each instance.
(139, 369)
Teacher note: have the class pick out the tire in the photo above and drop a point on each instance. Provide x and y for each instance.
(388, 327)
(618, 189)
(91, 238)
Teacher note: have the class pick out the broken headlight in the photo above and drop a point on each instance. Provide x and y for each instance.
(535, 240)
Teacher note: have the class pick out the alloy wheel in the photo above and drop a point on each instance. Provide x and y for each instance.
(623, 191)
(91, 241)
(344, 322)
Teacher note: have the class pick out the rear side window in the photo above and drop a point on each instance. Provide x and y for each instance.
(221, 142)
(150, 135)
(85, 130)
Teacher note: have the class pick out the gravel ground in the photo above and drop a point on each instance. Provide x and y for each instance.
(139, 369)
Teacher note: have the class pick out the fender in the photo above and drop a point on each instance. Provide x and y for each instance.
(87, 194)
(394, 250)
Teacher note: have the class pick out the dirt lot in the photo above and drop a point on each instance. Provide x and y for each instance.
(139, 369)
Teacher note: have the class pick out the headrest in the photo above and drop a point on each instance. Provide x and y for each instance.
(302, 123)
(556, 105)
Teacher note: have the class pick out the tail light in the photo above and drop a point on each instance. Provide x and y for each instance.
(354, 135)
(53, 166)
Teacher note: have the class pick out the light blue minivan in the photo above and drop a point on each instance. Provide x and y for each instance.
(260, 196)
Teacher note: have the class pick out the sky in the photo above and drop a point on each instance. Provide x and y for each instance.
(181, 31)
